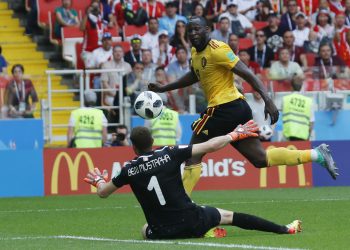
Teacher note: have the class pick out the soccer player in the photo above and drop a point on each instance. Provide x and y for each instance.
(155, 179)
(212, 65)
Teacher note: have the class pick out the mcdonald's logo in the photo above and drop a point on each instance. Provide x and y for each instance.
(282, 172)
(73, 168)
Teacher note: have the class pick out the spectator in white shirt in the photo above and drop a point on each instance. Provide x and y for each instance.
(301, 33)
(149, 66)
(163, 53)
(103, 53)
(150, 39)
(248, 8)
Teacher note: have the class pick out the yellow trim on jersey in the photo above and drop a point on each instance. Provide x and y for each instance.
(213, 68)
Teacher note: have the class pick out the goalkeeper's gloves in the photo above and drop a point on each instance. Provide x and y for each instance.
(249, 129)
(95, 178)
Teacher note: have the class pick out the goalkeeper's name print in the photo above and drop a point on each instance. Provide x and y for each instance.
(144, 167)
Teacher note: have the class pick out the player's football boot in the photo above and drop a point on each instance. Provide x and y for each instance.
(327, 160)
(294, 227)
(216, 232)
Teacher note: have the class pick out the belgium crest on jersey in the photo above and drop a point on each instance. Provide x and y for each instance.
(204, 62)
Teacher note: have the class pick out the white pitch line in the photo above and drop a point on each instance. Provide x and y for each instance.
(137, 206)
(161, 242)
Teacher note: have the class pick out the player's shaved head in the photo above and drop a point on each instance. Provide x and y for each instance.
(141, 139)
(198, 32)
(198, 20)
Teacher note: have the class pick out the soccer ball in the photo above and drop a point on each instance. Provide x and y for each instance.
(148, 105)
(265, 132)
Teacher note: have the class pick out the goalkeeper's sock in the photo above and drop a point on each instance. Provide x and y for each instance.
(191, 176)
(284, 156)
(251, 222)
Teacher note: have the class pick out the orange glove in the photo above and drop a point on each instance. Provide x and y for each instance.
(246, 130)
(95, 178)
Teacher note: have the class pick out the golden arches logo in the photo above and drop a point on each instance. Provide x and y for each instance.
(73, 167)
(282, 172)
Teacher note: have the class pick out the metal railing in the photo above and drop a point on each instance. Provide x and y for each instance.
(48, 110)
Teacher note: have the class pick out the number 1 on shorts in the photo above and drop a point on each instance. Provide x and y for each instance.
(154, 184)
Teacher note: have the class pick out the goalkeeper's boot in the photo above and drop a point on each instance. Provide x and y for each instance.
(326, 160)
(294, 227)
(216, 232)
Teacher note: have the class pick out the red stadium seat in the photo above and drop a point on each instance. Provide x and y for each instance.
(310, 58)
(70, 36)
(245, 43)
(44, 6)
(53, 39)
(3, 83)
(259, 25)
(130, 30)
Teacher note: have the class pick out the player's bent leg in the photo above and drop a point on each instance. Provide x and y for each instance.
(252, 150)
(193, 168)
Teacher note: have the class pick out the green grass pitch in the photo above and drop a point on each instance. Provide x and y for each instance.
(115, 223)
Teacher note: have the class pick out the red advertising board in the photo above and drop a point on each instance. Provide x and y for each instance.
(226, 169)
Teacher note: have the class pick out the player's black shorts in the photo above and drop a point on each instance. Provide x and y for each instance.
(198, 221)
(222, 119)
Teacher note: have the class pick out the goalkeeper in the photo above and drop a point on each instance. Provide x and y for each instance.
(155, 179)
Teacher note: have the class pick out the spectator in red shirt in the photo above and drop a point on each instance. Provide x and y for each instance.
(154, 8)
(93, 27)
(336, 6)
(18, 92)
(308, 6)
(340, 42)
(120, 9)
(245, 58)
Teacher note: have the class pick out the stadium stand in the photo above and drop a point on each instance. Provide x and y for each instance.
(130, 30)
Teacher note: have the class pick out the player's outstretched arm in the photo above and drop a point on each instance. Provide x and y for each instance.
(243, 71)
(98, 180)
(186, 80)
(241, 132)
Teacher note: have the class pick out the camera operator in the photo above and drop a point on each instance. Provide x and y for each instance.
(120, 137)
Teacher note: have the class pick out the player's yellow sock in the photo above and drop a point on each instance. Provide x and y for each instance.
(191, 176)
(284, 156)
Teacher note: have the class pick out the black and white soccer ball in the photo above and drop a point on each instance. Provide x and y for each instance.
(266, 132)
(148, 105)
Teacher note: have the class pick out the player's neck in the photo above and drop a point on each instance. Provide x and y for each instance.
(203, 45)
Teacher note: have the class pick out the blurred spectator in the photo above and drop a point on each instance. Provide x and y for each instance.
(286, 70)
(324, 27)
(3, 63)
(308, 6)
(111, 80)
(93, 28)
(163, 53)
(87, 126)
(130, 12)
(223, 32)
(326, 65)
(313, 44)
(185, 7)
(17, 95)
(168, 21)
(32, 17)
(135, 54)
(297, 54)
(301, 32)
(150, 39)
(176, 69)
(341, 44)
(103, 53)
(106, 12)
(323, 5)
(66, 16)
(149, 66)
(245, 58)
(166, 128)
(288, 18)
(154, 8)
(273, 33)
(257, 105)
(213, 9)
(135, 82)
(239, 23)
(233, 42)
(260, 52)
(248, 8)
(180, 39)
(336, 6)
(347, 12)
(298, 116)
(263, 10)
(120, 137)
(199, 11)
